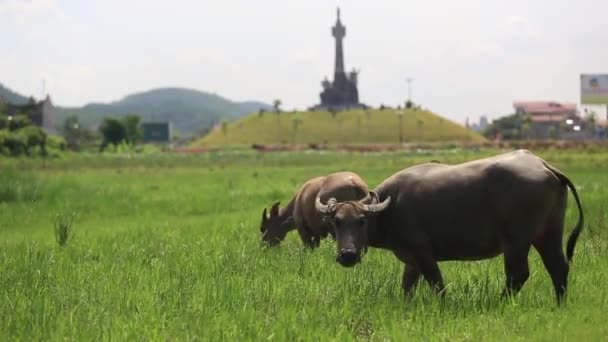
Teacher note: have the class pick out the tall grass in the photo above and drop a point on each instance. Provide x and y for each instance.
(172, 253)
(18, 186)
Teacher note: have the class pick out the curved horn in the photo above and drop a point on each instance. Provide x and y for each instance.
(264, 215)
(326, 209)
(264, 220)
(377, 207)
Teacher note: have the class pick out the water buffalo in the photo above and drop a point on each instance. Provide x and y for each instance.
(477, 210)
(301, 212)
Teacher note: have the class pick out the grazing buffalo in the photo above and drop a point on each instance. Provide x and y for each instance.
(301, 212)
(472, 211)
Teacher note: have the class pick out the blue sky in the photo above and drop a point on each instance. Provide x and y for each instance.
(467, 57)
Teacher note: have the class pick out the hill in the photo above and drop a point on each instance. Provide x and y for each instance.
(346, 127)
(190, 111)
(11, 96)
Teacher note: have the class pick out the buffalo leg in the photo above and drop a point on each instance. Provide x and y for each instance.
(516, 268)
(411, 276)
(306, 237)
(432, 274)
(550, 250)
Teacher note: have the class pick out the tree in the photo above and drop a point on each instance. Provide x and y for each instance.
(18, 121)
(134, 132)
(114, 132)
(72, 132)
(34, 137)
(276, 104)
(510, 127)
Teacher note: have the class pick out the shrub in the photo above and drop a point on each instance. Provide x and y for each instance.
(63, 228)
(34, 137)
(17, 122)
(14, 143)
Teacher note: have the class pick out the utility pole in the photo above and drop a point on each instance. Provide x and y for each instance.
(409, 89)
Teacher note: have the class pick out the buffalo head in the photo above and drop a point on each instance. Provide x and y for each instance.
(271, 227)
(349, 221)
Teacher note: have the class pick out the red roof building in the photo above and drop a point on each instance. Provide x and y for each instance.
(550, 119)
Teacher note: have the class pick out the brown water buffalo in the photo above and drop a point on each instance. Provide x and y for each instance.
(472, 211)
(300, 212)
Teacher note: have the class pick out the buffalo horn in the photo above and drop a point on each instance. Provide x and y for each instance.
(377, 207)
(326, 209)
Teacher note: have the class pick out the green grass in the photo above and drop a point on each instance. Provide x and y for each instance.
(345, 127)
(167, 248)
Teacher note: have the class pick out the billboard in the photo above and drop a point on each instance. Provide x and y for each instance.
(156, 132)
(594, 89)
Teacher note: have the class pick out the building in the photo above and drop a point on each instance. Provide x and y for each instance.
(41, 113)
(342, 92)
(550, 119)
(483, 124)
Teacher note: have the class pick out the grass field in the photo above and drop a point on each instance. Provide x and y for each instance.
(344, 127)
(167, 248)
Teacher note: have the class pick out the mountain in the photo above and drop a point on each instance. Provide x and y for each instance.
(345, 127)
(190, 111)
(11, 96)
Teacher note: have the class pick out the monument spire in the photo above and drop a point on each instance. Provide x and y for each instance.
(339, 32)
(342, 91)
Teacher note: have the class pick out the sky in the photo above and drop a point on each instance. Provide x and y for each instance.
(467, 58)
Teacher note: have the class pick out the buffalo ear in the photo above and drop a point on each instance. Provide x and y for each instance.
(274, 211)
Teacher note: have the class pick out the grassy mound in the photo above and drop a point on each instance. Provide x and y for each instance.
(345, 127)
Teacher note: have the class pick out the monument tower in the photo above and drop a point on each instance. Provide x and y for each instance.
(341, 93)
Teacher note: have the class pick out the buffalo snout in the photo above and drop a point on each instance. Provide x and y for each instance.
(348, 257)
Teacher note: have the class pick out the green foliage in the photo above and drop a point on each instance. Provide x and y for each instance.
(25, 140)
(63, 228)
(168, 249)
(56, 143)
(117, 131)
(14, 143)
(35, 138)
(133, 129)
(18, 121)
(340, 127)
(510, 127)
(114, 132)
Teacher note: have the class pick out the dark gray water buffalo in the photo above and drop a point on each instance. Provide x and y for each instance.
(472, 211)
(300, 212)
